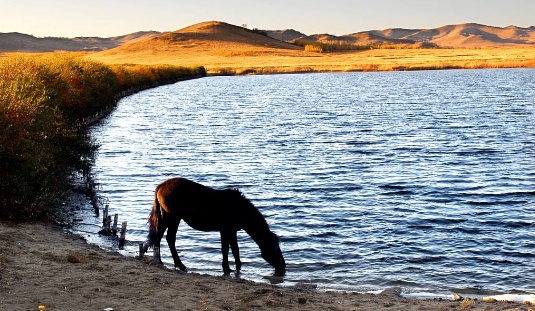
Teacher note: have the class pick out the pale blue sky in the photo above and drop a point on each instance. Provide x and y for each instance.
(105, 18)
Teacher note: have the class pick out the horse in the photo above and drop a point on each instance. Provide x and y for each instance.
(207, 209)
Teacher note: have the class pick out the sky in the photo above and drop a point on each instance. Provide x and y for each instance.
(108, 18)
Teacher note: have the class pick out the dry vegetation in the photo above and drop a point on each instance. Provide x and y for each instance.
(42, 99)
(227, 49)
(284, 61)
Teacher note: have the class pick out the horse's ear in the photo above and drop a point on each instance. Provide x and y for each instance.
(236, 190)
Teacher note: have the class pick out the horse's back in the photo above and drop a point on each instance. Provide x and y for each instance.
(181, 191)
(198, 205)
(179, 184)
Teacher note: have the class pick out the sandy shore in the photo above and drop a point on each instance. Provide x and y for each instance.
(40, 265)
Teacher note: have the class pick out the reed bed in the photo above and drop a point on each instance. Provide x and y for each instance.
(42, 99)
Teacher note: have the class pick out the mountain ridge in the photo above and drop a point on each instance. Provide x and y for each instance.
(467, 35)
(19, 42)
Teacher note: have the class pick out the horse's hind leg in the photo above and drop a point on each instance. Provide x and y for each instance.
(162, 226)
(171, 239)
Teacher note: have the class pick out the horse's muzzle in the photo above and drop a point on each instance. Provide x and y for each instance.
(280, 272)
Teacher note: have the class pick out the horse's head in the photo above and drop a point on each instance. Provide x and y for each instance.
(272, 253)
(256, 226)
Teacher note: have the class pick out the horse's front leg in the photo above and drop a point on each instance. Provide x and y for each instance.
(229, 238)
(235, 250)
(171, 239)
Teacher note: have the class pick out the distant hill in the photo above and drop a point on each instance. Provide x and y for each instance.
(287, 35)
(363, 39)
(206, 36)
(452, 36)
(466, 35)
(18, 42)
(220, 36)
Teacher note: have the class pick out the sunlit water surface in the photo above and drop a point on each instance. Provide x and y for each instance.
(423, 180)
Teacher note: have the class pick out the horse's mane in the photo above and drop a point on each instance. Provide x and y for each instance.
(256, 226)
(236, 194)
(242, 196)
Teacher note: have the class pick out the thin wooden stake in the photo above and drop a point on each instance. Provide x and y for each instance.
(141, 250)
(94, 200)
(114, 228)
(123, 235)
(105, 216)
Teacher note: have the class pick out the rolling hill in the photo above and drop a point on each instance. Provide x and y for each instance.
(222, 36)
(452, 36)
(362, 39)
(18, 42)
(466, 35)
(207, 36)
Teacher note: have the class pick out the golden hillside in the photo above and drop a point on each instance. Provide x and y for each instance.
(18, 42)
(216, 45)
(475, 35)
(217, 38)
(468, 35)
(227, 49)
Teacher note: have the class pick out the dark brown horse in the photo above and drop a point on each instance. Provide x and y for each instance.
(207, 209)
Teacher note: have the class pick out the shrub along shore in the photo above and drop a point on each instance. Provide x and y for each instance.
(43, 100)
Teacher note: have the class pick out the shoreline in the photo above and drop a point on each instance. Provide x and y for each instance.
(392, 296)
(80, 207)
(250, 61)
(40, 264)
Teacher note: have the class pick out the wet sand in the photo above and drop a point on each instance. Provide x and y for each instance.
(40, 265)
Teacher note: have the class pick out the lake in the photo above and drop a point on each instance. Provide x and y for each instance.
(423, 180)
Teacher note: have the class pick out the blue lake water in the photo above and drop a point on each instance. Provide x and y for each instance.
(423, 180)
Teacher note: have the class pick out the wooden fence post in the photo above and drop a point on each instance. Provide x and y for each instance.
(94, 201)
(106, 222)
(123, 235)
(114, 228)
(105, 216)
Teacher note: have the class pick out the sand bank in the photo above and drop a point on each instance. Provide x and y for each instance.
(40, 265)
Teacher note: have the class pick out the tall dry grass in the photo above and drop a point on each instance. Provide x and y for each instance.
(41, 99)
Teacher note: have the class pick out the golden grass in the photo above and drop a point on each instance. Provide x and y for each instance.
(269, 60)
(226, 49)
(42, 99)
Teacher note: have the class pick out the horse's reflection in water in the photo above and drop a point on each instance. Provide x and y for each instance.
(207, 209)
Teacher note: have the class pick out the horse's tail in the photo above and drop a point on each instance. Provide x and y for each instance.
(154, 218)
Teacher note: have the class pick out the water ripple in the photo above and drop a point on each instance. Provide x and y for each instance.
(423, 180)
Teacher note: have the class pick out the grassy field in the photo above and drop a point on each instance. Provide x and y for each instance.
(42, 99)
(257, 60)
(227, 49)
